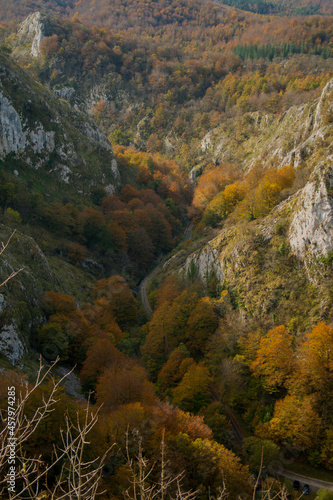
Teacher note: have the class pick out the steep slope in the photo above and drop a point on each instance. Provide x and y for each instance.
(55, 142)
(49, 152)
(279, 267)
(20, 300)
(295, 137)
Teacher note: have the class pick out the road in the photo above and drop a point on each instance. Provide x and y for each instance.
(188, 232)
(143, 290)
(315, 484)
(144, 283)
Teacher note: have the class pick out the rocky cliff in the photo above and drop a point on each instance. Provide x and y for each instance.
(57, 152)
(41, 132)
(281, 265)
(311, 228)
(296, 137)
(31, 33)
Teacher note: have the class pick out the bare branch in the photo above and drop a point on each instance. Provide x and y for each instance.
(79, 479)
(2, 249)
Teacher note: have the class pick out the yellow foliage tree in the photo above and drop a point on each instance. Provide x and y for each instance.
(200, 326)
(316, 359)
(275, 358)
(327, 449)
(223, 203)
(209, 464)
(193, 391)
(296, 421)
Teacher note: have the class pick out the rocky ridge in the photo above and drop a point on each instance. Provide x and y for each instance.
(38, 130)
(60, 152)
(292, 138)
(268, 263)
(311, 228)
(32, 32)
(20, 300)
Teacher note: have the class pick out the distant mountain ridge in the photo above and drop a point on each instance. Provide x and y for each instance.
(133, 13)
(283, 7)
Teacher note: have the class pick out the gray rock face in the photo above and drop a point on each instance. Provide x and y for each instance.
(206, 261)
(32, 31)
(290, 139)
(96, 135)
(41, 140)
(64, 92)
(10, 344)
(311, 229)
(3, 303)
(47, 136)
(12, 138)
(325, 105)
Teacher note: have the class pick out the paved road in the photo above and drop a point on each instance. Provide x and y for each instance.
(143, 290)
(188, 232)
(315, 484)
(145, 281)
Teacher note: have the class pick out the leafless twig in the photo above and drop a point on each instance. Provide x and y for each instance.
(2, 249)
(142, 485)
(78, 479)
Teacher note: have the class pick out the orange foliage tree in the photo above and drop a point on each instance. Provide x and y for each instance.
(316, 359)
(211, 182)
(171, 372)
(275, 358)
(200, 326)
(100, 356)
(315, 368)
(167, 329)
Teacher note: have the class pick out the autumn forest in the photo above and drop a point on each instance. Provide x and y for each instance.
(218, 214)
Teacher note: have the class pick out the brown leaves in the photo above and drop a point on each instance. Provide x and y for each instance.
(122, 383)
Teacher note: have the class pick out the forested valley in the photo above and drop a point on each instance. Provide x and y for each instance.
(180, 154)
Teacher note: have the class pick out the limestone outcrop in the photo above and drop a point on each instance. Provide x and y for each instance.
(44, 133)
(311, 229)
(31, 32)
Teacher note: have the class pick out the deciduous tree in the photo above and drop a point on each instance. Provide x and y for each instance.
(275, 358)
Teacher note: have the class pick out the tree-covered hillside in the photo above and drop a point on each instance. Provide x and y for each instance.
(164, 90)
(283, 7)
(176, 155)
